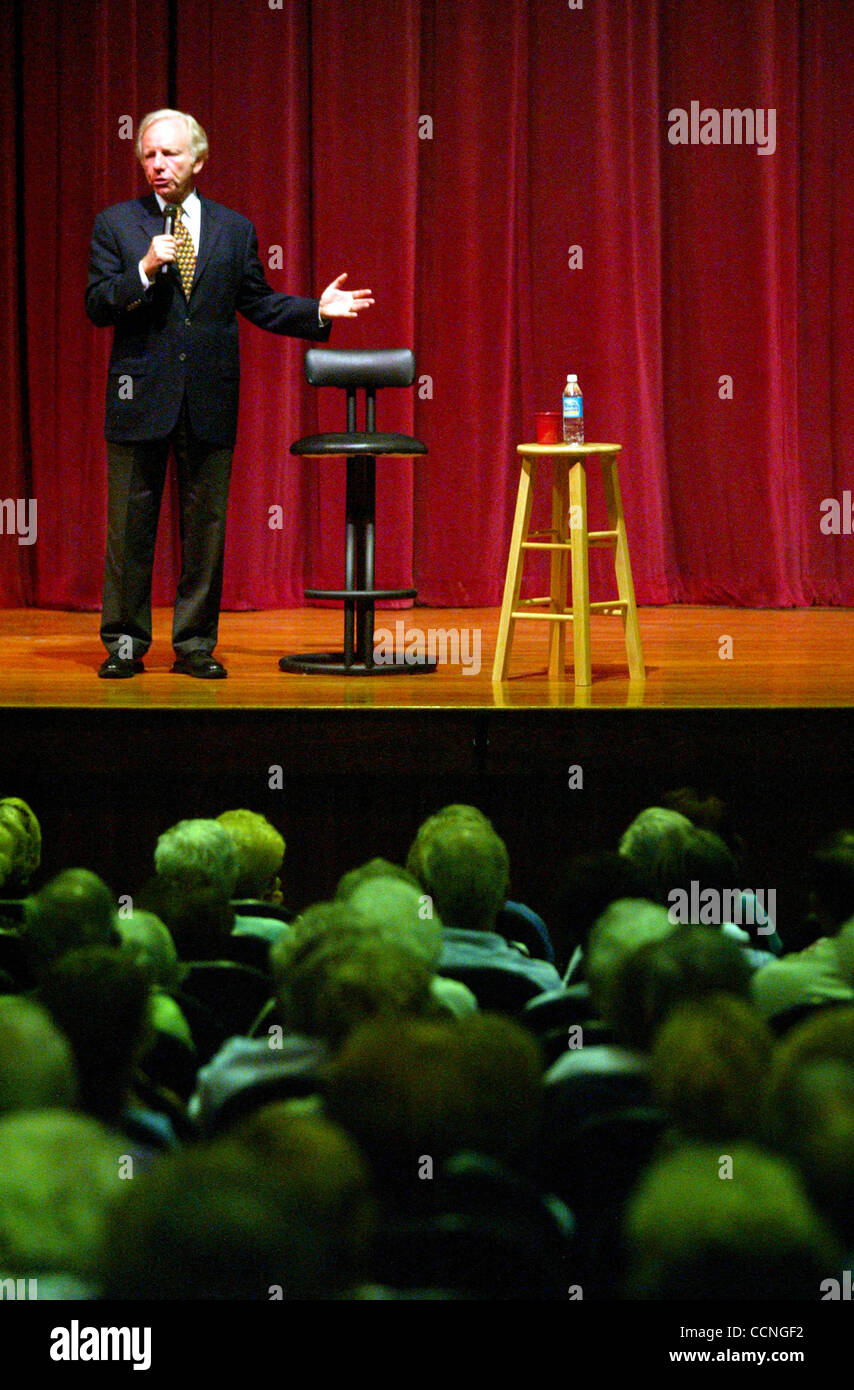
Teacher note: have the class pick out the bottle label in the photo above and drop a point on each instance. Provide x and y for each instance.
(573, 408)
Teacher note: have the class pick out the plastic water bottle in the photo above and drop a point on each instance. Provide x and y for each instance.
(573, 411)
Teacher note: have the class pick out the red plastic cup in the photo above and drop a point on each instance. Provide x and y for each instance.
(548, 426)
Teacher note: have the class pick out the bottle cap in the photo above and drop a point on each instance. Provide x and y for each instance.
(572, 377)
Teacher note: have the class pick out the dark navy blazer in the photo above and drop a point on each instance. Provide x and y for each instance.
(165, 346)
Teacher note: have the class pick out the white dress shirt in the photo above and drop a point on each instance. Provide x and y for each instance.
(191, 216)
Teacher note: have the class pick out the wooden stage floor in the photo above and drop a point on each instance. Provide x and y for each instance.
(754, 705)
(696, 658)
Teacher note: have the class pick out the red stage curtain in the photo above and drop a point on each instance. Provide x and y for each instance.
(450, 156)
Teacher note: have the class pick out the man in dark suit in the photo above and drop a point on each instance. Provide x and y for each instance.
(171, 298)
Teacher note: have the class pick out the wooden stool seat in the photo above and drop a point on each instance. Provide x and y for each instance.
(568, 541)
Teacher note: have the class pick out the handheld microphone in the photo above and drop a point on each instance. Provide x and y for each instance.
(170, 213)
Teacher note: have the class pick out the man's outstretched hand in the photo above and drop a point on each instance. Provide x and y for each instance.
(336, 303)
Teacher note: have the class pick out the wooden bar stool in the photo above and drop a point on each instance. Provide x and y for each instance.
(568, 542)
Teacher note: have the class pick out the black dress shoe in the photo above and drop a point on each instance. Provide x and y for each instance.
(200, 664)
(119, 667)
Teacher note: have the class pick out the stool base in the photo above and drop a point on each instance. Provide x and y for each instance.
(333, 664)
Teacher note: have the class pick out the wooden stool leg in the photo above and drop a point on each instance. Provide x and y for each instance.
(559, 568)
(623, 567)
(580, 573)
(513, 580)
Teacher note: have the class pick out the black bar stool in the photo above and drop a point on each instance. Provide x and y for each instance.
(354, 370)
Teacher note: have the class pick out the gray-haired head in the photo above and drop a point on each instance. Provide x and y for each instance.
(196, 137)
(197, 854)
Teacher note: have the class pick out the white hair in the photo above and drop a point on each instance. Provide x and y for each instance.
(197, 139)
(197, 854)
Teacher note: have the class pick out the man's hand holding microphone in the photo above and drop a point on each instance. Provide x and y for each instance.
(164, 248)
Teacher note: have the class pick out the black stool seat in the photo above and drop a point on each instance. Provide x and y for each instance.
(370, 445)
(368, 371)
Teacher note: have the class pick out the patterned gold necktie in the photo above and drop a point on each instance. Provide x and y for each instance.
(186, 253)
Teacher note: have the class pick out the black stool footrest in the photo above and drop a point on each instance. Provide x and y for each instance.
(361, 595)
(333, 664)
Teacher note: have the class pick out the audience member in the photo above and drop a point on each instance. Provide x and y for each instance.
(730, 1226)
(148, 943)
(711, 813)
(652, 832)
(669, 1073)
(8, 850)
(710, 1066)
(447, 1114)
(330, 977)
(74, 910)
(830, 889)
(58, 1175)
(280, 1211)
(37, 1069)
(101, 1001)
(259, 850)
(591, 1077)
(821, 974)
(687, 965)
(592, 883)
(393, 903)
(463, 866)
(636, 989)
(812, 1124)
(196, 872)
(409, 1088)
(19, 821)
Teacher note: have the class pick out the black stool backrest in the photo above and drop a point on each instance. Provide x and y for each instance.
(353, 368)
(356, 367)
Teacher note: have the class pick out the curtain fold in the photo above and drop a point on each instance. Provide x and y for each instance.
(16, 561)
(505, 179)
